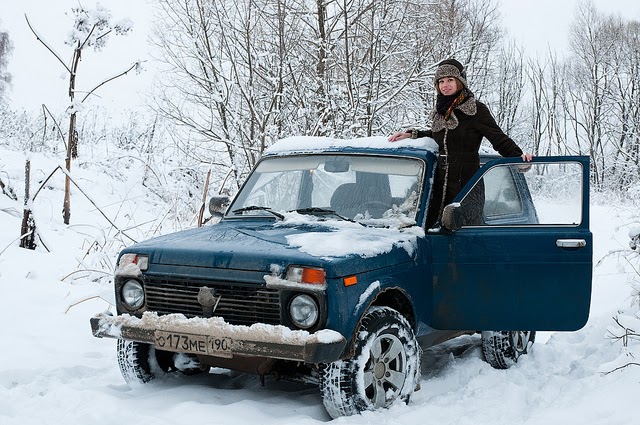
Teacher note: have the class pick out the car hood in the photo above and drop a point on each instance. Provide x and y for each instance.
(341, 248)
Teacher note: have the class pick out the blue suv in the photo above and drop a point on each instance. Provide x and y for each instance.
(321, 269)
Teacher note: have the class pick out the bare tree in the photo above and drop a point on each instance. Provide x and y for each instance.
(510, 84)
(228, 63)
(603, 94)
(625, 95)
(91, 28)
(465, 29)
(548, 85)
(242, 74)
(5, 50)
(593, 39)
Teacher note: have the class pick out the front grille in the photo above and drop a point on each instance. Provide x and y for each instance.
(238, 305)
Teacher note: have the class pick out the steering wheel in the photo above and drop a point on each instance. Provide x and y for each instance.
(375, 208)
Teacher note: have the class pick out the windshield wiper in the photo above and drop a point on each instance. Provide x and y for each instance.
(258, 208)
(321, 211)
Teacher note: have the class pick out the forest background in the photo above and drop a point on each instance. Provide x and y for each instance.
(233, 77)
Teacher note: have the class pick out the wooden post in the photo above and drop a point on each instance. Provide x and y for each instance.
(28, 228)
(204, 200)
(66, 208)
(72, 142)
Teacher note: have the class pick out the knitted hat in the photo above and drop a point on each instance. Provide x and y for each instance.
(451, 68)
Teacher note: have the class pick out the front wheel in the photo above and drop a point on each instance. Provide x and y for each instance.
(502, 349)
(140, 363)
(385, 366)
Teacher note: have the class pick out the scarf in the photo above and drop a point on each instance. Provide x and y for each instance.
(446, 104)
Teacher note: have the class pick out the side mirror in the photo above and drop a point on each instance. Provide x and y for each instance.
(452, 217)
(218, 205)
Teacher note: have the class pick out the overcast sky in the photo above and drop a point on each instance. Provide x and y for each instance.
(39, 78)
(542, 24)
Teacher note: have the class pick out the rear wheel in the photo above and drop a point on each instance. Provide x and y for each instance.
(385, 366)
(502, 349)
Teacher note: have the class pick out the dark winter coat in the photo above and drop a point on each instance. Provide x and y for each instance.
(459, 141)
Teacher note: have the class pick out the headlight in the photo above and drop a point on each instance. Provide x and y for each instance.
(132, 294)
(303, 311)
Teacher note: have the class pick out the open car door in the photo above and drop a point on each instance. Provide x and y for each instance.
(515, 250)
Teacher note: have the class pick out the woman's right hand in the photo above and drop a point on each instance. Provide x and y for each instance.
(399, 136)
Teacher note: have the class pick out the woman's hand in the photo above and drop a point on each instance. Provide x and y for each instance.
(399, 136)
(526, 157)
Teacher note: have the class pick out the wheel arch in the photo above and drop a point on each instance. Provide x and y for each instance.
(397, 299)
(393, 297)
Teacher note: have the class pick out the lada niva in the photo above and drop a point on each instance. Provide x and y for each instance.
(321, 269)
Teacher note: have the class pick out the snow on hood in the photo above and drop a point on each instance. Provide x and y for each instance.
(349, 238)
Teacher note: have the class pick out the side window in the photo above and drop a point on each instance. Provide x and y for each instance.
(556, 192)
(531, 194)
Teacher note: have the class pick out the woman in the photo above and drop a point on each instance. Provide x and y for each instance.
(459, 122)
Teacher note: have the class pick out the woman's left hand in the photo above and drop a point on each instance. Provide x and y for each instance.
(526, 157)
(400, 135)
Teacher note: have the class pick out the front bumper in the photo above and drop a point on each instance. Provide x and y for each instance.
(200, 336)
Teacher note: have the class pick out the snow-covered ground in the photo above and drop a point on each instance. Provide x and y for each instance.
(53, 371)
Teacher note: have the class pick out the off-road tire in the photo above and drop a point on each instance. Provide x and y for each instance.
(372, 378)
(140, 363)
(502, 349)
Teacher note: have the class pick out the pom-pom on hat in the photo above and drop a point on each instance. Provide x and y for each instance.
(450, 68)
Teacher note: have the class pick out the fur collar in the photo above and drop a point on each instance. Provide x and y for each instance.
(438, 123)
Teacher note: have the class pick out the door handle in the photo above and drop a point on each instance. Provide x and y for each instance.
(571, 243)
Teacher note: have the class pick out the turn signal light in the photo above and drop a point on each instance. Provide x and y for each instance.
(350, 280)
(306, 275)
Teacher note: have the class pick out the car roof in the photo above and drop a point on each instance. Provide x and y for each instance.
(425, 146)
(367, 145)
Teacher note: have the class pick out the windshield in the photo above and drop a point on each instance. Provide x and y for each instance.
(356, 187)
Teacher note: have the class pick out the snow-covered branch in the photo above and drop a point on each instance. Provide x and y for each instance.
(45, 44)
(135, 65)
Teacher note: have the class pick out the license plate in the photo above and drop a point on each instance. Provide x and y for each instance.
(195, 344)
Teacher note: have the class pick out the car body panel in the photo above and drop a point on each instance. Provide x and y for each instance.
(514, 277)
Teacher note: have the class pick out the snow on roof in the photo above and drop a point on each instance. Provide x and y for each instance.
(299, 144)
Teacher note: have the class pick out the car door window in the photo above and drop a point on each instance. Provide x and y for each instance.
(526, 194)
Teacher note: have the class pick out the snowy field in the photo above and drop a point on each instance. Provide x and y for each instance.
(53, 371)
